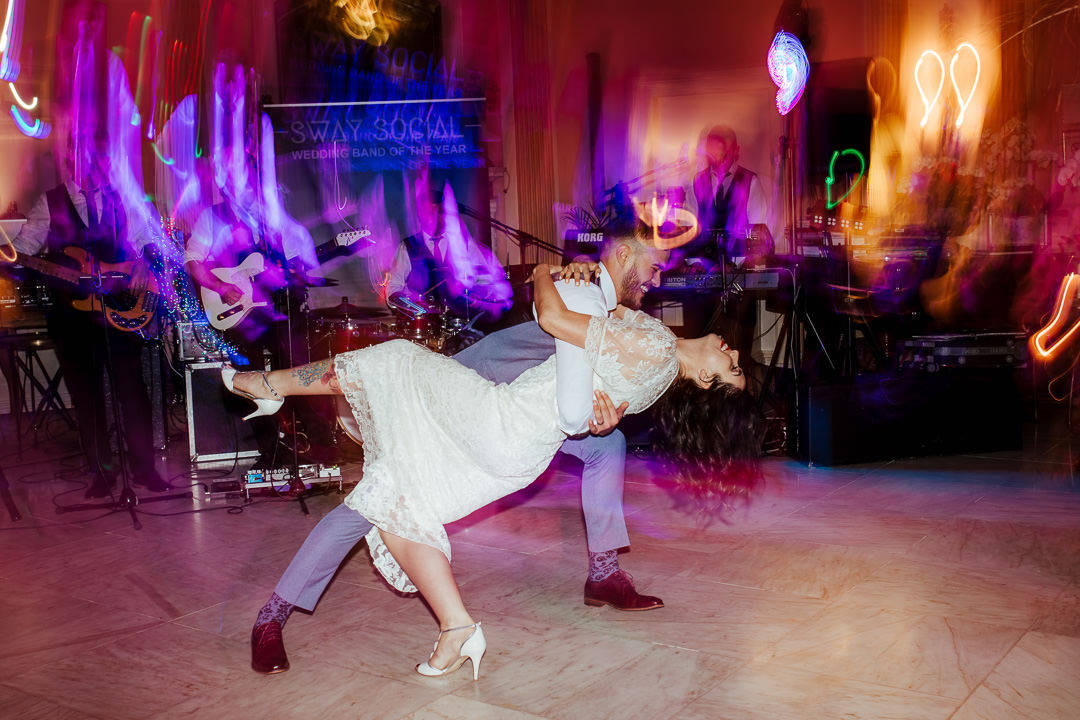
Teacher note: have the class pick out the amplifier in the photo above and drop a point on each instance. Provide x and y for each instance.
(215, 430)
(193, 342)
(964, 350)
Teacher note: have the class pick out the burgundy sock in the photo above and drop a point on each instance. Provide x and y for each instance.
(603, 564)
(276, 608)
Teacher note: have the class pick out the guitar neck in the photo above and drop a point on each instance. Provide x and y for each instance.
(50, 268)
(343, 242)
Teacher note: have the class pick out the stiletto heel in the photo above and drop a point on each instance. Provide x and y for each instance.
(473, 649)
(263, 406)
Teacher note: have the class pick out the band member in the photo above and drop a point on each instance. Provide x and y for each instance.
(227, 235)
(85, 212)
(442, 264)
(732, 212)
(730, 200)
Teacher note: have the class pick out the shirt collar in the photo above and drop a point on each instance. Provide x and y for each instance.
(607, 286)
(74, 190)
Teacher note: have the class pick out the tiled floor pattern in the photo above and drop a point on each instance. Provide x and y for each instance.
(930, 588)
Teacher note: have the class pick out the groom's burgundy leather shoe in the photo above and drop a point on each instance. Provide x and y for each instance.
(268, 649)
(617, 590)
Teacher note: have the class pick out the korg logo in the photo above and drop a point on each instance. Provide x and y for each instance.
(590, 237)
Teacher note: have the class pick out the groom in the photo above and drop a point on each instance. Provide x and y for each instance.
(630, 267)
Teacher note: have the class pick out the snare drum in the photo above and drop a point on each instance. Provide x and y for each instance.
(425, 330)
(333, 336)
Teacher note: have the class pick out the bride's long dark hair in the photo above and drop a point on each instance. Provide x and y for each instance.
(709, 439)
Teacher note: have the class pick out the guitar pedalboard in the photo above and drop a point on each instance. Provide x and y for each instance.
(277, 479)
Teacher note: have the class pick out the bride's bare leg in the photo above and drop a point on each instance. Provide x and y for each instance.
(315, 378)
(430, 572)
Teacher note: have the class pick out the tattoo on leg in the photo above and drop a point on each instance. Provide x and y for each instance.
(312, 372)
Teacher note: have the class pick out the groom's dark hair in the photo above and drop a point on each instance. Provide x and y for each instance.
(638, 239)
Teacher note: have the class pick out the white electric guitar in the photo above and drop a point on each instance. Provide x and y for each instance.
(223, 316)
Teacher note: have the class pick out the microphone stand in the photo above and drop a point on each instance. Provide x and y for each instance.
(518, 235)
(296, 484)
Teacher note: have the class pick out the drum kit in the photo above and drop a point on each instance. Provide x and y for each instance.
(346, 327)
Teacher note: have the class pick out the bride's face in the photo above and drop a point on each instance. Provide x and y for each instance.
(711, 359)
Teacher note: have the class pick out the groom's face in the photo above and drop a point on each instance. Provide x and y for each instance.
(639, 272)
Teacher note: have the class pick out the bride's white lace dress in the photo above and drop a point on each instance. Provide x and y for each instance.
(440, 441)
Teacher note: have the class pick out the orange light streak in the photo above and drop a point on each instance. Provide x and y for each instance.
(1038, 340)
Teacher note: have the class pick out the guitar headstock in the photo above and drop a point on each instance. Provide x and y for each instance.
(351, 237)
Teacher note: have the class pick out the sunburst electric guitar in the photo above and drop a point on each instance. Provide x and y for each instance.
(109, 285)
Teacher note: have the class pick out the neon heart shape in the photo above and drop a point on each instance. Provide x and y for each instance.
(829, 204)
(952, 76)
(929, 104)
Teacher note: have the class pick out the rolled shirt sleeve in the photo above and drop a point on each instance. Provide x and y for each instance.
(574, 376)
(34, 232)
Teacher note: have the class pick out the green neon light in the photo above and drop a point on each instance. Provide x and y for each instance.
(142, 54)
(829, 204)
(162, 158)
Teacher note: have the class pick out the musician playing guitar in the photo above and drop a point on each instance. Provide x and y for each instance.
(85, 215)
(247, 269)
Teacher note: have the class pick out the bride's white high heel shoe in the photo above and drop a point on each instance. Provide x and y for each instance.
(263, 406)
(472, 649)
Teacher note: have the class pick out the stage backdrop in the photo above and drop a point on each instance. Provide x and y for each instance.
(356, 123)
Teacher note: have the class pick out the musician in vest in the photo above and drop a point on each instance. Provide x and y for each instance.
(732, 212)
(85, 212)
(730, 202)
(442, 263)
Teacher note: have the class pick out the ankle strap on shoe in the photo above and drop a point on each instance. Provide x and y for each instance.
(269, 386)
(463, 627)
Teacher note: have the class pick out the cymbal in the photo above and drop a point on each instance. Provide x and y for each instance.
(316, 281)
(346, 310)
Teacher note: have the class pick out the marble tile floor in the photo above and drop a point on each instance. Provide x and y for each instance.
(926, 588)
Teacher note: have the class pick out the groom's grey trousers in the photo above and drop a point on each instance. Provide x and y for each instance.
(500, 357)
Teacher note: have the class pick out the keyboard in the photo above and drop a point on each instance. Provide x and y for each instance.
(766, 279)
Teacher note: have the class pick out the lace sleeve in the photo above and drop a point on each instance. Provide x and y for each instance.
(634, 357)
(638, 318)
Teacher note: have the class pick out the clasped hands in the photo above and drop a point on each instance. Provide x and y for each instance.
(606, 415)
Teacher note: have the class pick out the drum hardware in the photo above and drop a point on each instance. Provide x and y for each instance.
(412, 308)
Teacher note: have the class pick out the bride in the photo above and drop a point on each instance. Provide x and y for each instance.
(440, 441)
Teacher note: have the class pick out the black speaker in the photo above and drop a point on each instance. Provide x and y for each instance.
(883, 417)
(215, 430)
